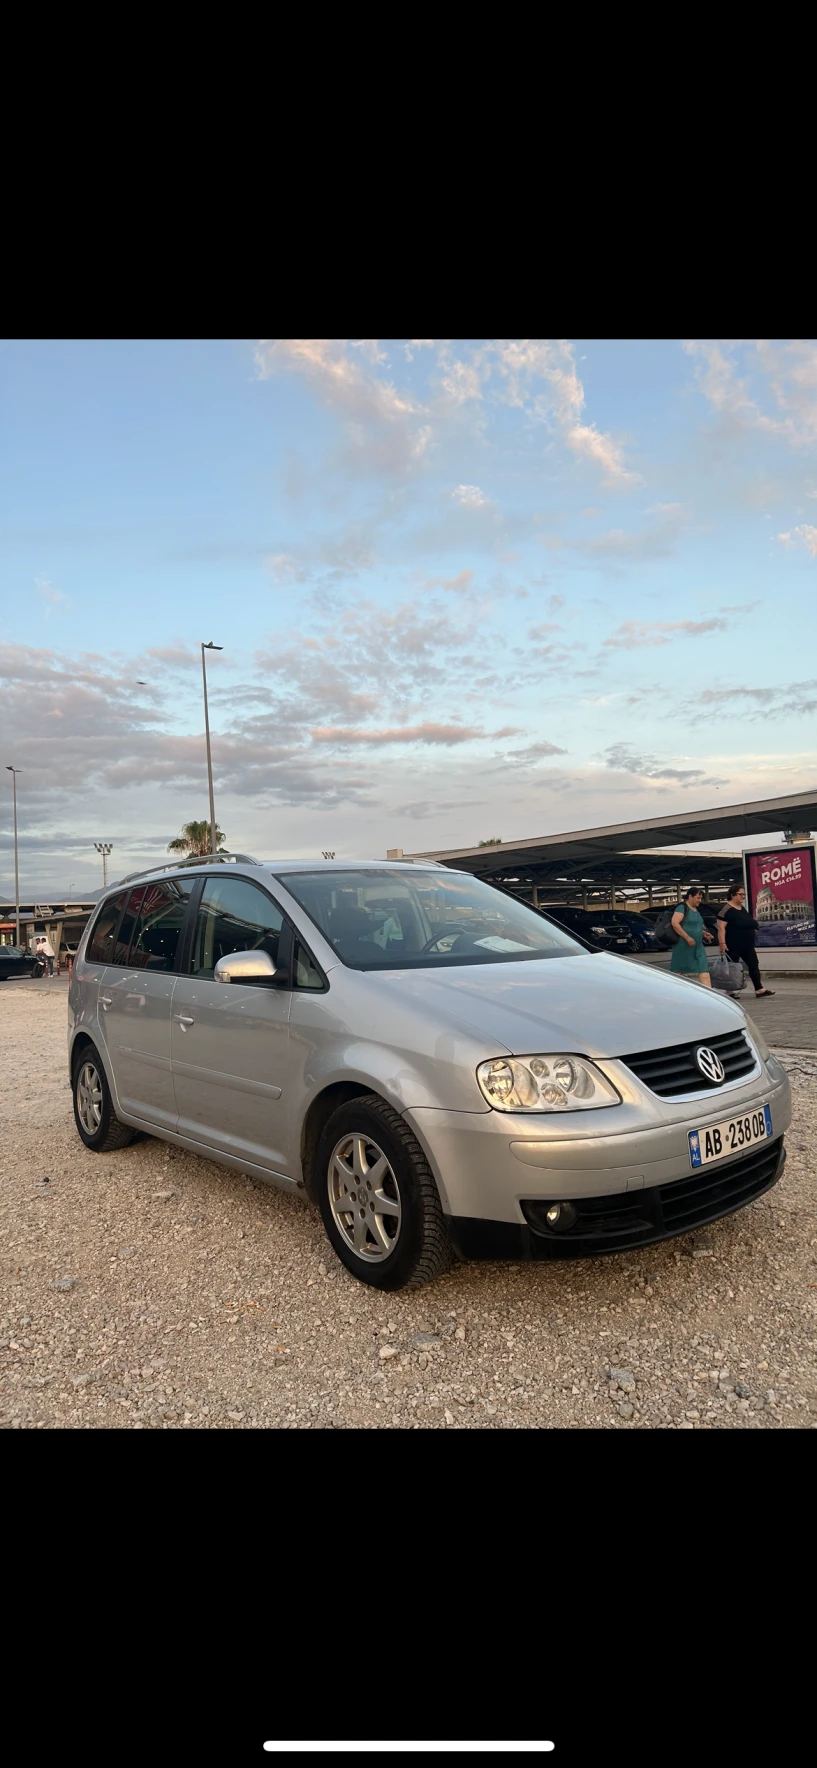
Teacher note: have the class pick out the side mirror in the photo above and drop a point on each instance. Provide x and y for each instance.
(247, 967)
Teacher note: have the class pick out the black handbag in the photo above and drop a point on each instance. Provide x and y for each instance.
(664, 928)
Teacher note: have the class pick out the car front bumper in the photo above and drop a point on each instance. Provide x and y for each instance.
(492, 1167)
(623, 1221)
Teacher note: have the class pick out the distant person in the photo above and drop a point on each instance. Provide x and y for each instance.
(46, 951)
(736, 935)
(688, 956)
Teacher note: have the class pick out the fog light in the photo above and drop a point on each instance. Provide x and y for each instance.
(560, 1216)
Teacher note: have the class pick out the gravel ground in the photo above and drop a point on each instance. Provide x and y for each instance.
(150, 1289)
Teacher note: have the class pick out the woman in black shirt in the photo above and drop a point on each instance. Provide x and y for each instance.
(736, 935)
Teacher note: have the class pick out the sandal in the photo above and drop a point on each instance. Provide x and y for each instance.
(760, 992)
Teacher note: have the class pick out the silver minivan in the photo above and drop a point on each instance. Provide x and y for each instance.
(440, 1068)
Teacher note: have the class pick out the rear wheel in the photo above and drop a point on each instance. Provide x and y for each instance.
(378, 1198)
(94, 1114)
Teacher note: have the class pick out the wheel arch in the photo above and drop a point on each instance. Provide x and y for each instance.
(318, 1115)
(82, 1042)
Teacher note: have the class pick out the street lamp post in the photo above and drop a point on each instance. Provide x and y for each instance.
(104, 847)
(209, 647)
(14, 772)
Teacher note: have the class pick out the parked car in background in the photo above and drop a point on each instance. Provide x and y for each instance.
(16, 961)
(599, 927)
(642, 933)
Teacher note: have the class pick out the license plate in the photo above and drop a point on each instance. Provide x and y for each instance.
(730, 1137)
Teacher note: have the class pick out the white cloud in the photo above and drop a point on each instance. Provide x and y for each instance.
(718, 380)
(523, 363)
(52, 597)
(470, 496)
(420, 808)
(755, 384)
(534, 752)
(804, 533)
(460, 382)
(588, 441)
(538, 375)
(284, 568)
(418, 733)
(622, 757)
(370, 348)
(631, 635)
(461, 583)
(175, 656)
(382, 423)
(336, 377)
(791, 371)
(655, 541)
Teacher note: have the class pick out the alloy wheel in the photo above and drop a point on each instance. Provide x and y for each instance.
(89, 1098)
(364, 1197)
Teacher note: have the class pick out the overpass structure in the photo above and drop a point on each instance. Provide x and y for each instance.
(637, 861)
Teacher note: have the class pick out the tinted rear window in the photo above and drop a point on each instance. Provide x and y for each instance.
(161, 914)
(100, 944)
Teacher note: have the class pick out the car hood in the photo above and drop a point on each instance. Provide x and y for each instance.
(594, 1004)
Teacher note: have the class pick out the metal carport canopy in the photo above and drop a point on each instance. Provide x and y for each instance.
(765, 816)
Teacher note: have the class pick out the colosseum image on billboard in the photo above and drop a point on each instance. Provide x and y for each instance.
(781, 893)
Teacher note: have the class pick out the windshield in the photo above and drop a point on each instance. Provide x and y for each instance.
(389, 920)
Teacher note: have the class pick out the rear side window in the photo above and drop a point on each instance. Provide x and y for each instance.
(100, 944)
(126, 926)
(157, 927)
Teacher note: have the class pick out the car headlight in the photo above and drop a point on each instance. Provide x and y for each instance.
(758, 1039)
(545, 1083)
(598, 930)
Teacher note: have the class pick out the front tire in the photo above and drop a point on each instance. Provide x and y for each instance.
(377, 1195)
(94, 1115)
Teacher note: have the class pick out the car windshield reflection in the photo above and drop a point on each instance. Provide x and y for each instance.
(386, 920)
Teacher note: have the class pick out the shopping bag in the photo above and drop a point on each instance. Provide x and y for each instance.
(727, 973)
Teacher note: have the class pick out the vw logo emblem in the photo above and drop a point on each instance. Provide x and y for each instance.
(710, 1065)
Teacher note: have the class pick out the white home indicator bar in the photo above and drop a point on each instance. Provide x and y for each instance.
(496, 1748)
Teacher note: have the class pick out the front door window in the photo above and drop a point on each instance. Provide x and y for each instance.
(234, 916)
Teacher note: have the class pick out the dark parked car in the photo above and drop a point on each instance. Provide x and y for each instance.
(600, 929)
(14, 961)
(641, 932)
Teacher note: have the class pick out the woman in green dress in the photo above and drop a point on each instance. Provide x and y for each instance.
(688, 956)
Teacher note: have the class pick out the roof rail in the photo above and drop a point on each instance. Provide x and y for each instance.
(171, 865)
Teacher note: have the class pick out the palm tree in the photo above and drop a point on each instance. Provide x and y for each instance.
(194, 840)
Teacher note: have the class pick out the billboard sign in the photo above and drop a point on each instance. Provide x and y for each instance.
(781, 892)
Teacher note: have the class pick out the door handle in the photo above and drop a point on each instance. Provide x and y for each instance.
(106, 1000)
(185, 1019)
